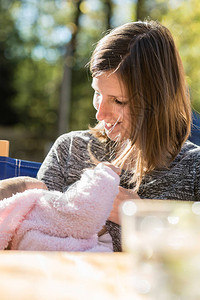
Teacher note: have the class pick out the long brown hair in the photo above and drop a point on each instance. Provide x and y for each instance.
(146, 60)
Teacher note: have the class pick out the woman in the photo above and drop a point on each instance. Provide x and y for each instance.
(144, 115)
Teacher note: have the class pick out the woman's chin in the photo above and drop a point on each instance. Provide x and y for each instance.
(114, 137)
(117, 137)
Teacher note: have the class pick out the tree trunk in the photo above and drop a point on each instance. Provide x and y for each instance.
(141, 12)
(108, 9)
(65, 95)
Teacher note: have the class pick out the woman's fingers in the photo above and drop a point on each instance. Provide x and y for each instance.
(114, 168)
(123, 195)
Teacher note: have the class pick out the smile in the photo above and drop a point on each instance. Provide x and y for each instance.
(109, 126)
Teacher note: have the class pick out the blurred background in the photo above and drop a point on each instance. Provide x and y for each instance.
(45, 86)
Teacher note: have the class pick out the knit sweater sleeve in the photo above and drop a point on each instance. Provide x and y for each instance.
(197, 177)
(67, 160)
(53, 169)
(115, 232)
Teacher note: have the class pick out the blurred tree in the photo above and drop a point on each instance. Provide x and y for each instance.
(151, 9)
(184, 23)
(65, 95)
(8, 64)
(42, 30)
(34, 37)
(141, 10)
(183, 20)
(93, 21)
(108, 5)
(36, 77)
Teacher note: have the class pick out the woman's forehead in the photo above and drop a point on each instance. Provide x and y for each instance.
(110, 84)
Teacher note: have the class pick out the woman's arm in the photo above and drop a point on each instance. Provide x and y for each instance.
(66, 160)
(83, 209)
(53, 169)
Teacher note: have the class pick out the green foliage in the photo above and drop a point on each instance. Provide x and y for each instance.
(182, 17)
(34, 39)
(37, 99)
(8, 37)
(82, 111)
(183, 20)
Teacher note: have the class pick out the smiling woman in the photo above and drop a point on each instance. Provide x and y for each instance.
(112, 106)
(143, 113)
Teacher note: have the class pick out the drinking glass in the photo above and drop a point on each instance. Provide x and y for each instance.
(163, 238)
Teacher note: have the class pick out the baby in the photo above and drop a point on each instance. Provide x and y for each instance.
(33, 218)
(11, 186)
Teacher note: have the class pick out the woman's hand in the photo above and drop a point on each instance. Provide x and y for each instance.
(114, 168)
(123, 195)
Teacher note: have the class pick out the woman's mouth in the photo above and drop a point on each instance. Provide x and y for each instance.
(109, 126)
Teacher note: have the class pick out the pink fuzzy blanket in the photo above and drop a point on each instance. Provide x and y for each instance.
(50, 220)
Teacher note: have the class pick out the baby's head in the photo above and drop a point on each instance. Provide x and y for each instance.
(11, 186)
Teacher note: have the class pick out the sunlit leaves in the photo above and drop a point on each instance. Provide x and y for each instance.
(36, 33)
(183, 19)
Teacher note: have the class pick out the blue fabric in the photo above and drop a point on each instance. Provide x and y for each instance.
(12, 167)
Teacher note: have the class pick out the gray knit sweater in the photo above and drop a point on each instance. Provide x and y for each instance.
(69, 156)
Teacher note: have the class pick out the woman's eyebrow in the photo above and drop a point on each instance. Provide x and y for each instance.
(118, 97)
(111, 96)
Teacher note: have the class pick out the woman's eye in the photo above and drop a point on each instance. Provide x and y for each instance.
(119, 102)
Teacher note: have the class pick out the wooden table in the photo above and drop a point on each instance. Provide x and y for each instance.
(65, 276)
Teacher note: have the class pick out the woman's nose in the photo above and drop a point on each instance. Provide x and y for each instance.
(103, 110)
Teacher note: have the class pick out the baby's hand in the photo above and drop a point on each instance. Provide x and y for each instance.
(117, 170)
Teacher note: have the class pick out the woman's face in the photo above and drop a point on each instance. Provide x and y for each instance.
(111, 102)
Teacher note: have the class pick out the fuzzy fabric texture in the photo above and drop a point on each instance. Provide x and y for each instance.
(51, 220)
